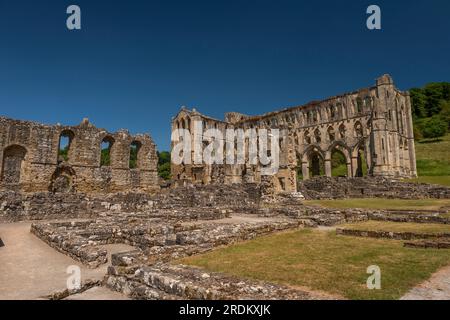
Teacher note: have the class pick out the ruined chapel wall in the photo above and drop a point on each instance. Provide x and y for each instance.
(42, 165)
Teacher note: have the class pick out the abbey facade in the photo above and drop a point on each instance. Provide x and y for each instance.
(365, 132)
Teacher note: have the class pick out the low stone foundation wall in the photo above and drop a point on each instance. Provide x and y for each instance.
(369, 187)
(189, 202)
(391, 235)
(433, 244)
(16, 206)
(164, 281)
(153, 237)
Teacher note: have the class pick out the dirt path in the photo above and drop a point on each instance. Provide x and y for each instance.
(30, 269)
(435, 288)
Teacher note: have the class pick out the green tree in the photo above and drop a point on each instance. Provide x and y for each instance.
(430, 108)
(105, 157)
(435, 92)
(434, 127)
(64, 153)
(164, 171)
(164, 164)
(445, 112)
(163, 157)
(419, 103)
(133, 156)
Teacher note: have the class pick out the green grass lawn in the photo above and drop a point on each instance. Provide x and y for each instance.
(442, 180)
(398, 227)
(433, 161)
(376, 203)
(323, 261)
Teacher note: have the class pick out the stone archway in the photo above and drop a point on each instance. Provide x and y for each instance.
(338, 160)
(360, 164)
(313, 162)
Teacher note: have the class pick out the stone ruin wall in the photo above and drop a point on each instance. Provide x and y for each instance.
(371, 127)
(30, 160)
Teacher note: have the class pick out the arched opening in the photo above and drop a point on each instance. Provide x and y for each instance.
(105, 147)
(307, 137)
(359, 105)
(13, 158)
(361, 163)
(65, 141)
(332, 113)
(342, 131)
(368, 102)
(317, 136)
(316, 164)
(331, 134)
(63, 179)
(358, 130)
(338, 162)
(134, 154)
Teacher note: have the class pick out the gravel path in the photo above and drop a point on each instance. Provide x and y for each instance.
(435, 288)
(30, 269)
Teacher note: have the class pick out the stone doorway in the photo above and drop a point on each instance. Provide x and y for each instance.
(13, 158)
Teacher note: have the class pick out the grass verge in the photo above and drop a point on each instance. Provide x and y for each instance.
(327, 262)
(377, 203)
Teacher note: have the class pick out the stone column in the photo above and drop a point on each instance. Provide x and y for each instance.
(305, 170)
(410, 135)
(328, 167)
(354, 166)
(349, 170)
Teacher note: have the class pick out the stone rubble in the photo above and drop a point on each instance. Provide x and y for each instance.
(181, 222)
(165, 281)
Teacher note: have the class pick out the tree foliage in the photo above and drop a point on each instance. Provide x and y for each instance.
(105, 157)
(434, 127)
(431, 110)
(164, 165)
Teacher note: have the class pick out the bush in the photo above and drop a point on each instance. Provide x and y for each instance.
(164, 171)
(164, 165)
(434, 127)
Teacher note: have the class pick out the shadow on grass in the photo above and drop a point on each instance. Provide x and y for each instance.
(431, 141)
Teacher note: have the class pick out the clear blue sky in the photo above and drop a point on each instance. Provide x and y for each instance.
(134, 63)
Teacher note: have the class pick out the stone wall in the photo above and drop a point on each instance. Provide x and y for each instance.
(31, 161)
(370, 187)
(199, 202)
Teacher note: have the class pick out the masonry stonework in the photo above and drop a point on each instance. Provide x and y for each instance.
(372, 128)
(31, 161)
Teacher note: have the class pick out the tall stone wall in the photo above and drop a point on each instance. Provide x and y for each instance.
(30, 159)
(371, 128)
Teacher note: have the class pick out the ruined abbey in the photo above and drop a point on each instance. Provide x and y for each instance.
(32, 160)
(95, 197)
(370, 128)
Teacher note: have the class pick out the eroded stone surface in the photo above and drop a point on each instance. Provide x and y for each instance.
(371, 128)
(31, 162)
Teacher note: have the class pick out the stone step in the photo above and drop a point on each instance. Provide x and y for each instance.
(137, 290)
(172, 282)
